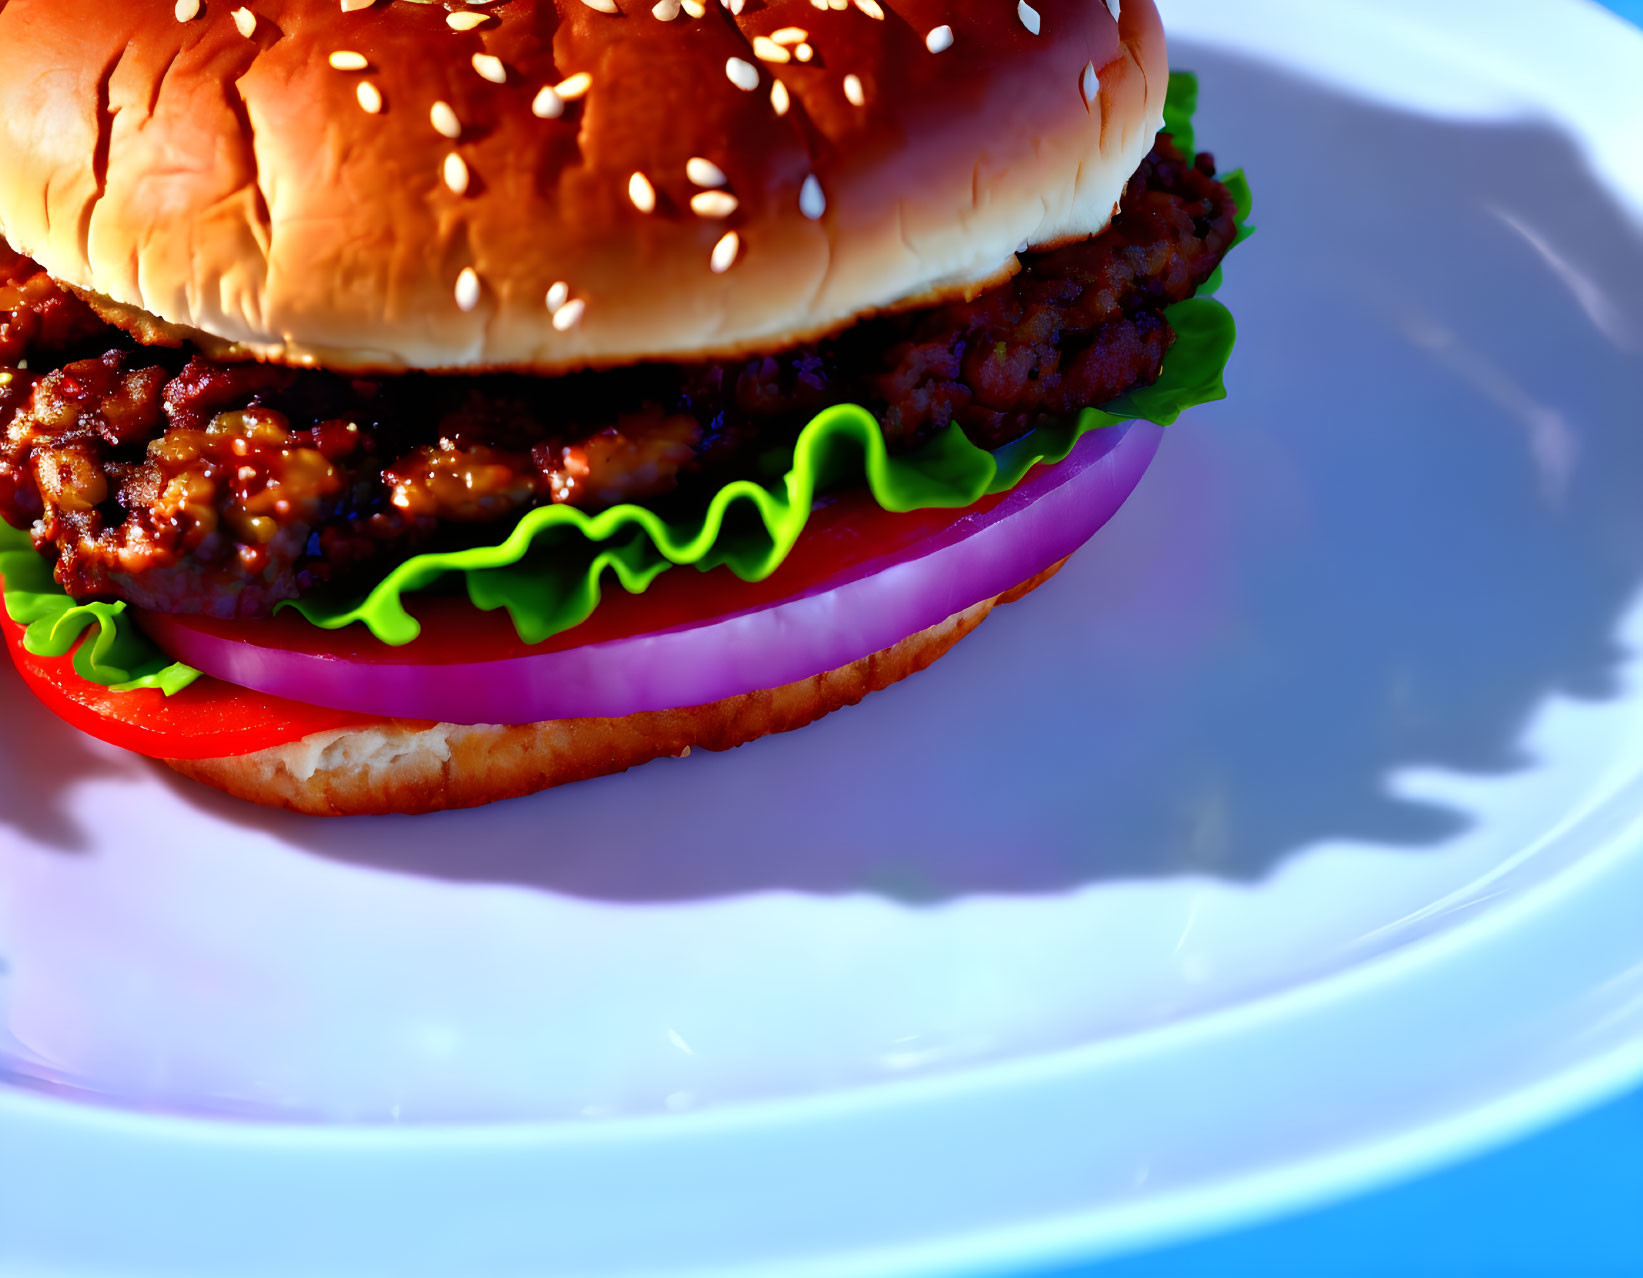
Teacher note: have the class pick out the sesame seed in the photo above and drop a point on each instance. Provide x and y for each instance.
(558, 294)
(574, 86)
(724, 252)
(1028, 16)
(443, 117)
(713, 204)
(735, 7)
(812, 203)
(939, 39)
(872, 9)
(804, 53)
(348, 60)
(744, 75)
(456, 173)
(853, 91)
(703, 172)
(838, 6)
(819, 4)
(602, 6)
(569, 315)
(354, 6)
(1112, 8)
(779, 101)
(467, 289)
(695, 8)
(370, 97)
(246, 22)
(187, 10)
(466, 20)
(790, 35)
(1090, 85)
(490, 67)
(547, 105)
(642, 193)
(665, 10)
(767, 50)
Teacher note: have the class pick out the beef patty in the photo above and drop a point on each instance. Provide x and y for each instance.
(184, 484)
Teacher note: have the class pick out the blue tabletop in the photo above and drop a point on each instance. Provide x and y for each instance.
(1566, 1202)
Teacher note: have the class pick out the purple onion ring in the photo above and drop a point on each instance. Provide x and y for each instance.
(835, 622)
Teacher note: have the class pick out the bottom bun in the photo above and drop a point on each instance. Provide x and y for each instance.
(392, 767)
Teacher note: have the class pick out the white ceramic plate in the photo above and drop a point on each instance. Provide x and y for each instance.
(1288, 842)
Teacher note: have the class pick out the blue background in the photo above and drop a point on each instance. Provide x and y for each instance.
(1565, 1204)
(1568, 1202)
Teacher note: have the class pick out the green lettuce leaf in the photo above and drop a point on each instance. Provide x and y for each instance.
(549, 573)
(1244, 202)
(119, 656)
(1180, 106)
(551, 570)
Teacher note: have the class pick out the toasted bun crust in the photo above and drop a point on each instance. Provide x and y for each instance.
(233, 184)
(394, 768)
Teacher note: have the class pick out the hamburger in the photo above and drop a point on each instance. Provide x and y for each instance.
(406, 405)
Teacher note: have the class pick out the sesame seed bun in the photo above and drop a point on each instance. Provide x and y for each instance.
(390, 768)
(402, 186)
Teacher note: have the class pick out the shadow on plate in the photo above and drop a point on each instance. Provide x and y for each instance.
(1416, 518)
(42, 760)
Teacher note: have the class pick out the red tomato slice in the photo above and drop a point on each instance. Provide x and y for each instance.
(207, 720)
(213, 719)
(845, 533)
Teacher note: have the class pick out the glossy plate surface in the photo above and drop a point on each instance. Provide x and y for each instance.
(1289, 841)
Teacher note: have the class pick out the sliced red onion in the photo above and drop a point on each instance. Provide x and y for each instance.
(833, 623)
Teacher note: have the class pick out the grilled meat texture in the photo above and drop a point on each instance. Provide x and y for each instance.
(185, 484)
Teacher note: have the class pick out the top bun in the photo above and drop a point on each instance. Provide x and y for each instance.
(398, 185)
